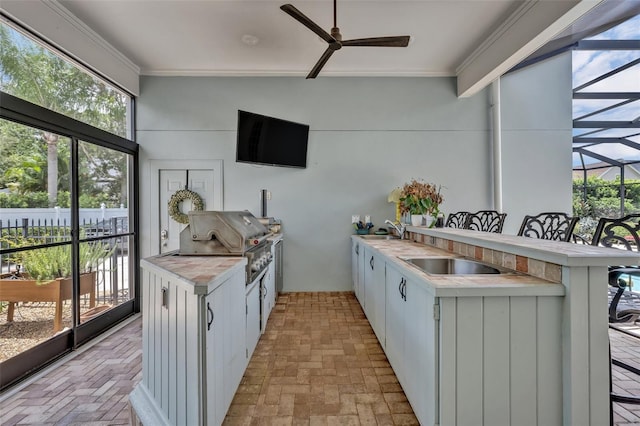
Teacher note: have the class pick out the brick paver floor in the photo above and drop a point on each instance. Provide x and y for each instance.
(319, 363)
(90, 387)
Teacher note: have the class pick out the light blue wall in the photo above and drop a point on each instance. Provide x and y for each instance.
(536, 140)
(367, 136)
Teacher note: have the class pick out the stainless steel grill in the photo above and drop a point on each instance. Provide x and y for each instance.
(228, 233)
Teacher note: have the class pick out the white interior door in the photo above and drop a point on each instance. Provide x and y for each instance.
(172, 180)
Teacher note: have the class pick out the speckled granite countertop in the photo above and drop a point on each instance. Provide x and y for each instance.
(506, 284)
(204, 272)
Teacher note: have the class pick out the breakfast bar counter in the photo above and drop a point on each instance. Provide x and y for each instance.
(528, 345)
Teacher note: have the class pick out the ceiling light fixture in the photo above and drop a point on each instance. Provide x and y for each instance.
(250, 40)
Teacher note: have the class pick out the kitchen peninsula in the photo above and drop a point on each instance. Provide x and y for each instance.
(193, 339)
(526, 346)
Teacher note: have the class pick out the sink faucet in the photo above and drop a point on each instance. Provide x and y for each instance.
(399, 228)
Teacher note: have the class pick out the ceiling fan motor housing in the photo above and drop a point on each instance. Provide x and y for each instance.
(335, 33)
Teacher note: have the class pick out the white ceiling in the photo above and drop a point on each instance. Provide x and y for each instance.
(205, 37)
(475, 40)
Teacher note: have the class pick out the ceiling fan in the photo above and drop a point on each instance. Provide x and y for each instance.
(335, 38)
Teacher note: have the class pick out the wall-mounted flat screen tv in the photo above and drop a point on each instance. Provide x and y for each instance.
(271, 141)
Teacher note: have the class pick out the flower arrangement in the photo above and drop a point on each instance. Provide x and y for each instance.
(418, 197)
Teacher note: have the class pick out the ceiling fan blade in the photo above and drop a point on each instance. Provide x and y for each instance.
(300, 17)
(398, 41)
(323, 60)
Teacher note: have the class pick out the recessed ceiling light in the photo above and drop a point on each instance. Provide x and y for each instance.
(250, 40)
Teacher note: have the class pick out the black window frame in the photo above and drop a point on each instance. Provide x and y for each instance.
(20, 111)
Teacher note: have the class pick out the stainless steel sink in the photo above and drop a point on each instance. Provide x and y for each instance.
(451, 266)
(379, 237)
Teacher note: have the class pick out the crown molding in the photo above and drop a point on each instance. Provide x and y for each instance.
(290, 73)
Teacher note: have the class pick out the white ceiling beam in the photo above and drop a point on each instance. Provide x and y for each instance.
(526, 30)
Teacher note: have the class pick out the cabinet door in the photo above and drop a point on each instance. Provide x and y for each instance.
(361, 268)
(420, 352)
(378, 289)
(270, 289)
(369, 295)
(253, 318)
(394, 346)
(354, 265)
(214, 326)
(225, 345)
(235, 357)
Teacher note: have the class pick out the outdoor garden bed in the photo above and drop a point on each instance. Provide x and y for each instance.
(23, 289)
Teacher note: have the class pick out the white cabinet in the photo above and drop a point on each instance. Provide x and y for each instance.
(411, 344)
(355, 247)
(253, 316)
(420, 349)
(374, 293)
(225, 347)
(268, 295)
(357, 270)
(360, 293)
(478, 351)
(367, 281)
(394, 347)
(193, 341)
(470, 357)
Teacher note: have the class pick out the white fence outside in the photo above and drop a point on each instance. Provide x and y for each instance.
(56, 213)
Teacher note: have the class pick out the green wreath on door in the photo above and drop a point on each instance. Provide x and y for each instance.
(180, 196)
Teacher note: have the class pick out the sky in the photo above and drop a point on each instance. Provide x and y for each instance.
(588, 65)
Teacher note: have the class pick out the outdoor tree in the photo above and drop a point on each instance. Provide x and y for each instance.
(31, 72)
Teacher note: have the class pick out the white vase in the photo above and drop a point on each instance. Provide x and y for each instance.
(428, 220)
(416, 219)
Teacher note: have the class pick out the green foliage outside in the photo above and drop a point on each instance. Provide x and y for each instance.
(46, 264)
(33, 161)
(34, 200)
(602, 200)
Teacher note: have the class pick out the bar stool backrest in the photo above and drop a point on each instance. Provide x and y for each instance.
(456, 220)
(554, 226)
(486, 220)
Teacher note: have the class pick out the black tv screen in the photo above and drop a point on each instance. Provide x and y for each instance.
(271, 141)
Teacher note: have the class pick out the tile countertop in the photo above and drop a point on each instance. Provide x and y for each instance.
(203, 272)
(506, 284)
(561, 253)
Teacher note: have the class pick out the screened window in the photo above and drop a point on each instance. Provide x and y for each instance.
(68, 185)
(40, 75)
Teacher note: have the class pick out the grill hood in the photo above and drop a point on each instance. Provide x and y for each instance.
(221, 233)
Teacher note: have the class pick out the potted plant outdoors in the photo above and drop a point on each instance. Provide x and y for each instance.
(421, 199)
(46, 276)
